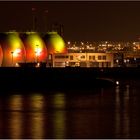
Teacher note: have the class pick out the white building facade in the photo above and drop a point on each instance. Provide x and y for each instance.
(83, 60)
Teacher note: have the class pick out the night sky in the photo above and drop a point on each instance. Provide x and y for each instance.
(82, 21)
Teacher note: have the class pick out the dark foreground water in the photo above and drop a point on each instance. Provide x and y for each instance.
(98, 113)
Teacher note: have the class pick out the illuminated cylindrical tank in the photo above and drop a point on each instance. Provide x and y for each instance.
(36, 50)
(55, 43)
(13, 49)
(1, 56)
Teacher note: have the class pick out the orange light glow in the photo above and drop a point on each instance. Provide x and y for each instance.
(17, 52)
(38, 51)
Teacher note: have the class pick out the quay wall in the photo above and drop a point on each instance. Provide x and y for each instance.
(63, 78)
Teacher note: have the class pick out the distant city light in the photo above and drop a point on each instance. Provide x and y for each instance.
(82, 43)
(117, 82)
(124, 60)
(17, 65)
(117, 61)
(38, 65)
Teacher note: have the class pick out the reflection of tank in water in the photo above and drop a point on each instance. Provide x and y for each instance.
(36, 50)
(13, 49)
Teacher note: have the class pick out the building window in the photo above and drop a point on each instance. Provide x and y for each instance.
(104, 57)
(90, 57)
(82, 57)
(109, 64)
(71, 63)
(71, 57)
(93, 57)
(50, 56)
(99, 57)
(61, 56)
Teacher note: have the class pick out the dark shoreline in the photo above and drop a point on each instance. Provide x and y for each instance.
(64, 78)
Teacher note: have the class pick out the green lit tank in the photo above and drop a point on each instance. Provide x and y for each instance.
(55, 43)
(36, 50)
(13, 49)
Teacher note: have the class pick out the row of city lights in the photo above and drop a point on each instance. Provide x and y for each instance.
(103, 46)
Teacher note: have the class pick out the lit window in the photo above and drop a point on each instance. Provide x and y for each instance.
(82, 57)
(104, 57)
(60, 56)
(71, 57)
(99, 57)
(90, 57)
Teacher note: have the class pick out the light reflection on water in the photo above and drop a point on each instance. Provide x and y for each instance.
(36, 122)
(122, 112)
(59, 116)
(15, 102)
(15, 125)
(117, 109)
(102, 113)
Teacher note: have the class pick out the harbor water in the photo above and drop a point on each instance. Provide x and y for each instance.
(112, 112)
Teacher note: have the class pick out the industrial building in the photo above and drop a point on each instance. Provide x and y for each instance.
(83, 60)
(12, 48)
(34, 48)
(28, 47)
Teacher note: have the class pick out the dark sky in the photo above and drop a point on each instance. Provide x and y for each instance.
(82, 20)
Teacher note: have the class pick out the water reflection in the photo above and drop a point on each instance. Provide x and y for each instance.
(122, 116)
(117, 109)
(59, 116)
(24, 117)
(14, 116)
(59, 100)
(104, 113)
(36, 125)
(15, 125)
(59, 128)
(126, 118)
(36, 116)
(36, 102)
(15, 103)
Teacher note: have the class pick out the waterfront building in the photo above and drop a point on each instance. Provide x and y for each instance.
(49, 49)
(83, 60)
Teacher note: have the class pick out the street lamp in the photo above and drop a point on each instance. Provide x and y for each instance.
(12, 53)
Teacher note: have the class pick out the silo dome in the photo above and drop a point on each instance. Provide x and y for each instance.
(1, 56)
(13, 49)
(55, 43)
(36, 50)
